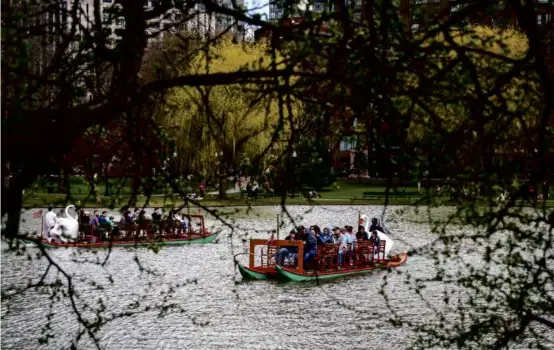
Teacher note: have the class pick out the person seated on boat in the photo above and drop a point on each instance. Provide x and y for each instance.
(318, 234)
(350, 232)
(184, 223)
(348, 237)
(83, 217)
(141, 218)
(157, 215)
(103, 218)
(309, 230)
(49, 222)
(301, 233)
(106, 222)
(376, 242)
(178, 218)
(310, 247)
(375, 225)
(122, 217)
(94, 220)
(127, 218)
(350, 240)
(135, 214)
(340, 239)
(361, 235)
(287, 252)
(327, 237)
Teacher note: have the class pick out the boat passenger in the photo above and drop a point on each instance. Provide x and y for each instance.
(327, 236)
(361, 235)
(135, 215)
(375, 225)
(349, 239)
(49, 222)
(310, 248)
(340, 239)
(141, 218)
(127, 216)
(94, 221)
(301, 233)
(157, 215)
(287, 252)
(83, 217)
(185, 223)
(318, 234)
(350, 231)
(181, 219)
(376, 242)
(103, 218)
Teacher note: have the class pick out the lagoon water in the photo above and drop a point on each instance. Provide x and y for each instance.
(217, 310)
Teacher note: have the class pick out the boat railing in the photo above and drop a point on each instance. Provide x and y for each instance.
(263, 254)
(268, 251)
(357, 255)
(141, 229)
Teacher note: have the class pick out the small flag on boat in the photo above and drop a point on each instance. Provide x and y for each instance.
(37, 214)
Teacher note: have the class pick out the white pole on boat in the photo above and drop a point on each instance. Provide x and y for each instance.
(42, 225)
(277, 226)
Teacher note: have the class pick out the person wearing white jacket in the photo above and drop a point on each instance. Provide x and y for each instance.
(49, 222)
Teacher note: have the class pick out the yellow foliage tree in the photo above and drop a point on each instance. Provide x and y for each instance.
(476, 59)
(214, 127)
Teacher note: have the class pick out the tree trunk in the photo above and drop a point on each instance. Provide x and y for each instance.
(62, 181)
(222, 182)
(12, 204)
(107, 188)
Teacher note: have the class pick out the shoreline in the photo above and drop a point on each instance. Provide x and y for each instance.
(58, 200)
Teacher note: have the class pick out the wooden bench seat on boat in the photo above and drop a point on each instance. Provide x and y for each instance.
(327, 256)
(363, 254)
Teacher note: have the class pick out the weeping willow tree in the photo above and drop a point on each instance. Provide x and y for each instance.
(215, 127)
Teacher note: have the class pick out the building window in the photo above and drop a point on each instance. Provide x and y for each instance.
(108, 1)
(539, 19)
(347, 143)
(120, 22)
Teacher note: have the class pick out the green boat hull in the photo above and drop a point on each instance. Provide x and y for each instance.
(289, 275)
(252, 275)
(132, 244)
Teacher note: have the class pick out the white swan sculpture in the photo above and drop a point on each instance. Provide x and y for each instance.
(364, 221)
(66, 229)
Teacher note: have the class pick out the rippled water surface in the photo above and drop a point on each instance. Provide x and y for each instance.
(219, 311)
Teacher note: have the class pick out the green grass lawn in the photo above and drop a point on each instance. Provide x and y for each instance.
(348, 190)
(341, 192)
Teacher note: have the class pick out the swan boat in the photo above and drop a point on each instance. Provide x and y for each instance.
(363, 259)
(68, 232)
